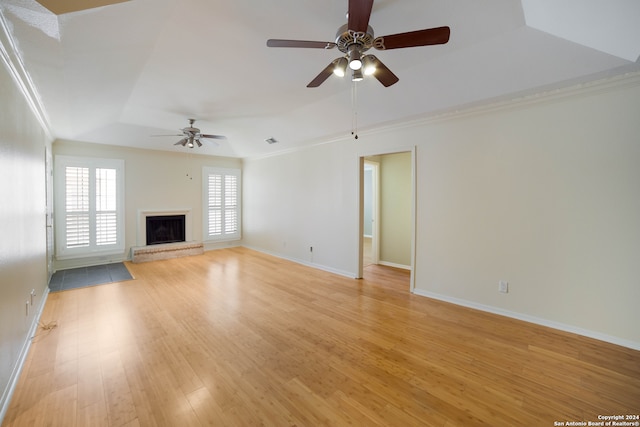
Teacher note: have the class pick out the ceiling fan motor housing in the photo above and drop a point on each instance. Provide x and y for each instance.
(345, 38)
(191, 130)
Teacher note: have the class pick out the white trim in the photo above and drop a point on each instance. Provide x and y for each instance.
(61, 162)
(224, 237)
(375, 214)
(414, 183)
(394, 265)
(17, 70)
(215, 245)
(521, 100)
(414, 216)
(303, 262)
(531, 319)
(68, 264)
(5, 399)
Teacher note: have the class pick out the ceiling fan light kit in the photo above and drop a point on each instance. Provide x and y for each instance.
(340, 68)
(368, 65)
(355, 63)
(356, 37)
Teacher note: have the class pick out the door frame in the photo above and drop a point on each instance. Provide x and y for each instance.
(360, 229)
(49, 231)
(375, 208)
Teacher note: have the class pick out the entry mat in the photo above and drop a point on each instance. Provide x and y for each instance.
(88, 276)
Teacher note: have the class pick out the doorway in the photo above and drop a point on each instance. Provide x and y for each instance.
(371, 211)
(387, 211)
(48, 181)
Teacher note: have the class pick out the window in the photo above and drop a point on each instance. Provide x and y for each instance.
(221, 203)
(89, 206)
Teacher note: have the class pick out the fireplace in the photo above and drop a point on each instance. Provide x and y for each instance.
(143, 214)
(165, 229)
(172, 227)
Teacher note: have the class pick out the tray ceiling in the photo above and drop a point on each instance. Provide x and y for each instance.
(118, 73)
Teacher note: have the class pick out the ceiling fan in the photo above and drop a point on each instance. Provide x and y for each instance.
(356, 37)
(191, 135)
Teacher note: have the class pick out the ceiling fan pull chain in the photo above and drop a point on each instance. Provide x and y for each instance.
(354, 109)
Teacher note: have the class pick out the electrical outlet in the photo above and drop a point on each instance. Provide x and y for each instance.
(503, 286)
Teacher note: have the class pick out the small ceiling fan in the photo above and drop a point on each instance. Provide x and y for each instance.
(191, 135)
(356, 37)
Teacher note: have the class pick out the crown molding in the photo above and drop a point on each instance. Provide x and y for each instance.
(580, 90)
(607, 84)
(12, 60)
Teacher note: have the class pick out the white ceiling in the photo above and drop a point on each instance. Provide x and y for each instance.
(117, 74)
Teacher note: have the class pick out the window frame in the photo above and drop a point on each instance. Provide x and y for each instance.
(61, 163)
(224, 235)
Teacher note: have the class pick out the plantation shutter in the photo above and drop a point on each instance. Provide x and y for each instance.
(77, 207)
(215, 205)
(106, 204)
(222, 203)
(90, 194)
(230, 218)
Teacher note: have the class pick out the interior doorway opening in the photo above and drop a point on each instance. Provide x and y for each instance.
(371, 211)
(387, 212)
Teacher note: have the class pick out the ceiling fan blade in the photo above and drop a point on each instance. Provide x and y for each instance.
(182, 142)
(324, 74)
(428, 37)
(175, 134)
(212, 136)
(300, 43)
(359, 14)
(382, 73)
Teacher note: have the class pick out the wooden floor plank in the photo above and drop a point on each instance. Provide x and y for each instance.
(237, 337)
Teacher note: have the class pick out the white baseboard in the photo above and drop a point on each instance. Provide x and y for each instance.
(69, 264)
(22, 356)
(391, 264)
(305, 263)
(214, 246)
(532, 319)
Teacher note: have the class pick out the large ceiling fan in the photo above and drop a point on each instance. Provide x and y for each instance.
(356, 37)
(191, 135)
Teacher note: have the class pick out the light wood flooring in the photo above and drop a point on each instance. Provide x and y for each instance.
(367, 249)
(238, 338)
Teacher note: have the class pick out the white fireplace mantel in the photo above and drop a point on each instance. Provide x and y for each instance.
(142, 223)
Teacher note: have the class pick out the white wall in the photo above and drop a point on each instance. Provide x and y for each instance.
(154, 180)
(367, 203)
(305, 199)
(23, 247)
(543, 193)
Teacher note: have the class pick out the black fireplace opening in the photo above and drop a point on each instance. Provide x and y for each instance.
(165, 229)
